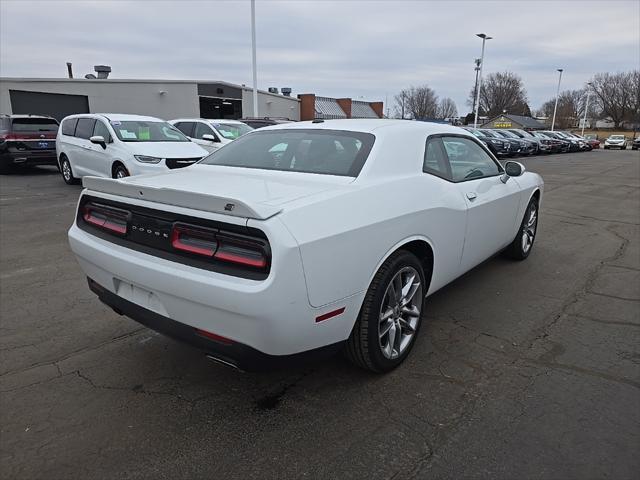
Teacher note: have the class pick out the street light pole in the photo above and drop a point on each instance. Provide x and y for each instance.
(484, 38)
(253, 51)
(475, 88)
(555, 108)
(586, 108)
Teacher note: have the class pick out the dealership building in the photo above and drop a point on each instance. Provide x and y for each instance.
(168, 99)
(164, 99)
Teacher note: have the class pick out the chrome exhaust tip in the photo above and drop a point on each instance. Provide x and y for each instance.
(224, 362)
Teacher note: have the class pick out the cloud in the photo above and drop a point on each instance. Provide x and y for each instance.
(367, 49)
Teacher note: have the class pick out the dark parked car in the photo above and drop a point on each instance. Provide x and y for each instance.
(27, 140)
(570, 146)
(525, 147)
(500, 147)
(557, 145)
(544, 144)
(635, 145)
(259, 122)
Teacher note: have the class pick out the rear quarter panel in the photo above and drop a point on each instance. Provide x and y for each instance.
(344, 239)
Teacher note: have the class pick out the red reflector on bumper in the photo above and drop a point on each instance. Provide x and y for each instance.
(329, 315)
(213, 336)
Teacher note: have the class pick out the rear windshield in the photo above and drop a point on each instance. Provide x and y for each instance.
(328, 152)
(34, 125)
(138, 131)
(232, 131)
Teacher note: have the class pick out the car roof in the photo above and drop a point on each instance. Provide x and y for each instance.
(369, 125)
(209, 120)
(118, 117)
(20, 115)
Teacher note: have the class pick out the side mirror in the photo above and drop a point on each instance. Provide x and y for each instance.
(98, 140)
(211, 138)
(512, 169)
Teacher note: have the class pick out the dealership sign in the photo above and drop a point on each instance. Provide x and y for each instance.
(502, 122)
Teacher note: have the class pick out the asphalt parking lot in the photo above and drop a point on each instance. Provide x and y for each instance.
(522, 370)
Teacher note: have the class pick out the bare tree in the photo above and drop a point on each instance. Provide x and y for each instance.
(400, 108)
(570, 108)
(617, 94)
(416, 102)
(447, 108)
(502, 92)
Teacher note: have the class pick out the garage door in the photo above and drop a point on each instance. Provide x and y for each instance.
(56, 105)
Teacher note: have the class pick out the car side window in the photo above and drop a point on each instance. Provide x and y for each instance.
(101, 130)
(69, 126)
(435, 159)
(84, 129)
(186, 128)
(203, 129)
(468, 160)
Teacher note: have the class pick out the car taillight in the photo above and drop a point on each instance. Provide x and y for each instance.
(221, 246)
(241, 251)
(107, 218)
(8, 136)
(196, 240)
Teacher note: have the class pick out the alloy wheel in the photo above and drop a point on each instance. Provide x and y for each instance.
(66, 171)
(529, 228)
(400, 312)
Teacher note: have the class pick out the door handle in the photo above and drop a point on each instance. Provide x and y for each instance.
(471, 195)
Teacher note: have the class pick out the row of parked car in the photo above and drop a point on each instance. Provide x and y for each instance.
(517, 142)
(114, 145)
(119, 145)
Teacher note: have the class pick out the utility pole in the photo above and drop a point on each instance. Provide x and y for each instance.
(586, 108)
(555, 108)
(253, 51)
(484, 38)
(475, 88)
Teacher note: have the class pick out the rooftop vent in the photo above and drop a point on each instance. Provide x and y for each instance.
(103, 71)
(286, 91)
(273, 90)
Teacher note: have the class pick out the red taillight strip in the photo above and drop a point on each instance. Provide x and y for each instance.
(108, 222)
(329, 315)
(250, 262)
(214, 336)
(197, 235)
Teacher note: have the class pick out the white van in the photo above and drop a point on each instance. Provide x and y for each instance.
(115, 146)
(211, 134)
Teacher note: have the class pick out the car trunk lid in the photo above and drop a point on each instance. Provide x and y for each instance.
(240, 192)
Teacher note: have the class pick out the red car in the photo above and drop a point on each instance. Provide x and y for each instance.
(592, 140)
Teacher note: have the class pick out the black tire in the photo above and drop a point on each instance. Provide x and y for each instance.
(120, 171)
(67, 172)
(517, 249)
(363, 346)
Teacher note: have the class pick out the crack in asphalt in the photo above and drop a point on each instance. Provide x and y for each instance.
(73, 353)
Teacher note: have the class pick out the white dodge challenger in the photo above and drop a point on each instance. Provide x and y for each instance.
(301, 239)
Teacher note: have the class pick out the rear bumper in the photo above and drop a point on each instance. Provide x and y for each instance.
(272, 316)
(234, 354)
(44, 157)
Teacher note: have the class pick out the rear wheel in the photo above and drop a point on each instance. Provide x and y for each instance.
(390, 317)
(67, 173)
(521, 246)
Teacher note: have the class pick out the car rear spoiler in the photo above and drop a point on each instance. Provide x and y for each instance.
(181, 198)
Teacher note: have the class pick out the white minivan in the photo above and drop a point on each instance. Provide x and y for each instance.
(211, 134)
(116, 146)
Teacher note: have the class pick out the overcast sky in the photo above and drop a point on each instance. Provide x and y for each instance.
(360, 49)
